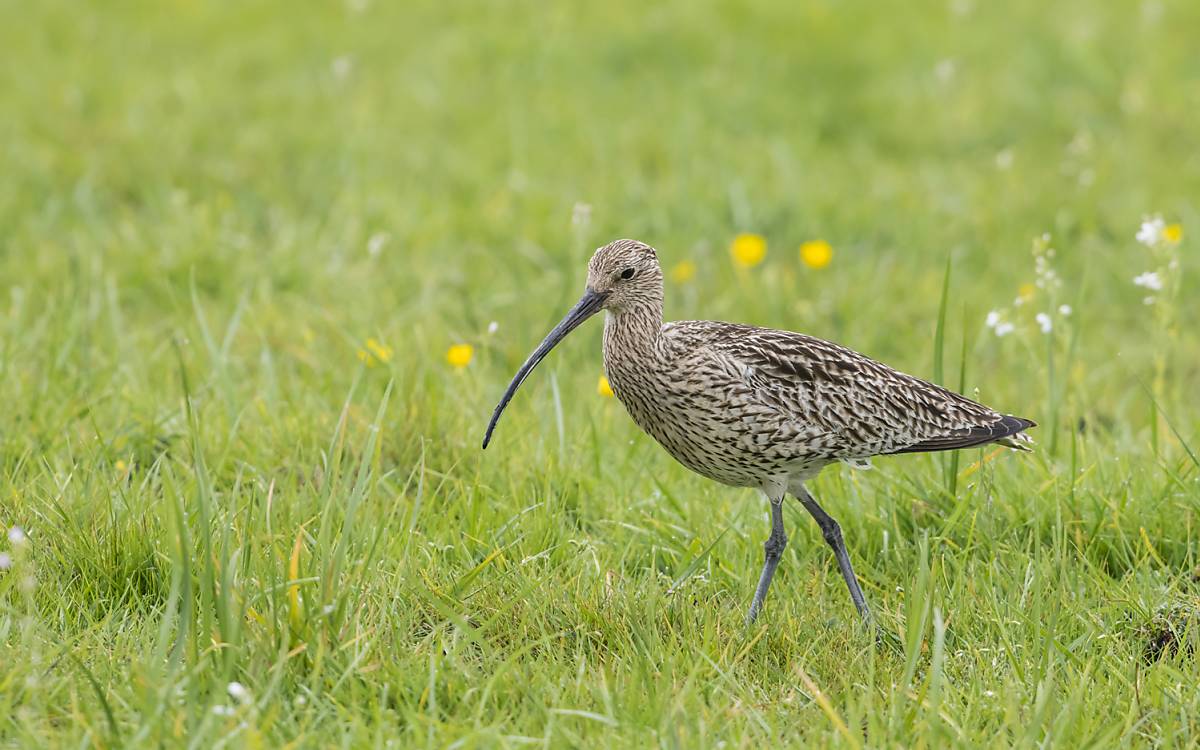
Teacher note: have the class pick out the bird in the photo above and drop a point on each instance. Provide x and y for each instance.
(758, 407)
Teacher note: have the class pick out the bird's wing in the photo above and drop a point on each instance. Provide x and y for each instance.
(861, 407)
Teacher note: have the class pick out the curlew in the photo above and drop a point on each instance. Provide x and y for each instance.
(756, 407)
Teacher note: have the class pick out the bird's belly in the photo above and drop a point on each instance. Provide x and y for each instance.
(721, 445)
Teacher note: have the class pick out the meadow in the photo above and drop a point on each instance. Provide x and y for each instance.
(266, 268)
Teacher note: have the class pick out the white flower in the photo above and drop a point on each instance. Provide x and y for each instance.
(1003, 329)
(1148, 300)
(375, 244)
(581, 214)
(223, 710)
(1043, 321)
(16, 535)
(1064, 310)
(493, 327)
(341, 66)
(5, 561)
(1150, 280)
(1150, 233)
(238, 692)
(993, 318)
(944, 70)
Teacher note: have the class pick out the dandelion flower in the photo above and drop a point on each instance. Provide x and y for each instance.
(748, 250)
(459, 355)
(816, 254)
(1172, 234)
(1044, 322)
(16, 536)
(1150, 233)
(1064, 310)
(683, 272)
(1149, 280)
(603, 387)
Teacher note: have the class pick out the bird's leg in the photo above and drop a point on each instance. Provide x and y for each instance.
(773, 551)
(833, 535)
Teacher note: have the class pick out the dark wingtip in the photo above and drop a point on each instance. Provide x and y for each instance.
(1016, 424)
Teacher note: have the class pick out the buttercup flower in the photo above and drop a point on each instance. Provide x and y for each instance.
(459, 355)
(816, 254)
(374, 352)
(1025, 293)
(683, 272)
(1172, 234)
(748, 250)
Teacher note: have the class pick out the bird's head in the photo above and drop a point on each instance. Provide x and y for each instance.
(625, 273)
(621, 275)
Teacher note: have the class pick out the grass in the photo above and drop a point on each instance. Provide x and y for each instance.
(216, 489)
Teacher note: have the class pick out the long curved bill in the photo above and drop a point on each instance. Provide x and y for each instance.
(587, 306)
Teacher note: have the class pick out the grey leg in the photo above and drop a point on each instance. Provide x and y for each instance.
(773, 549)
(833, 536)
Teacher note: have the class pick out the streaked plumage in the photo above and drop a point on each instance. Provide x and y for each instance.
(757, 407)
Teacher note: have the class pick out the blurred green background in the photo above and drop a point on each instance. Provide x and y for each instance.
(207, 209)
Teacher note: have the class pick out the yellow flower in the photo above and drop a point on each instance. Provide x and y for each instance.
(1172, 234)
(683, 272)
(382, 352)
(1026, 291)
(816, 254)
(460, 355)
(748, 250)
(374, 352)
(603, 388)
(121, 467)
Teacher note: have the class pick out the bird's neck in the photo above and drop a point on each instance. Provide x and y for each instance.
(632, 330)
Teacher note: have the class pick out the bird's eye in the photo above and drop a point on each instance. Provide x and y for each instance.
(627, 274)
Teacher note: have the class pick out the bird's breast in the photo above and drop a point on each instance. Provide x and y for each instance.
(711, 425)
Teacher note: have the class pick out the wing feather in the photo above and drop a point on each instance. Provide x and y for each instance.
(859, 407)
